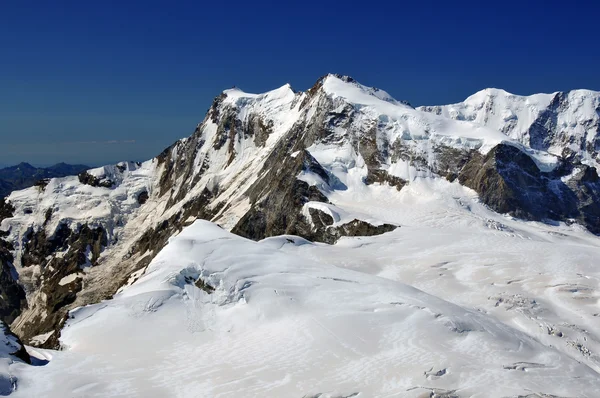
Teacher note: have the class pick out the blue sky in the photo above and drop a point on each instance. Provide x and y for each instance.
(98, 82)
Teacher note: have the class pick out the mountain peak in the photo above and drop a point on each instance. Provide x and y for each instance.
(344, 78)
(235, 93)
(347, 87)
(486, 93)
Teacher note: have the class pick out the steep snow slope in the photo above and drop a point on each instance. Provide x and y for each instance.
(13, 358)
(560, 123)
(282, 324)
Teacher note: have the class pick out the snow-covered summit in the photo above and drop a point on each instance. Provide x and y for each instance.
(348, 88)
(562, 123)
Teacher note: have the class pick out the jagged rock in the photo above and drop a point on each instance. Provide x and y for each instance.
(320, 218)
(259, 129)
(41, 184)
(509, 181)
(12, 295)
(79, 249)
(322, 232)
(382, 176)
(88, 179)
(6, 209)
(142, 197)
(363, 228)
(278, 202)
(204, 286)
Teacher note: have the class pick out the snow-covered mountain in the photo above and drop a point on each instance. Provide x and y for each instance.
(464, 184)
(563, 123)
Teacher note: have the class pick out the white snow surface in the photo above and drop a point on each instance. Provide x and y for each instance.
(458, 298)
(402, 119)
(421, 130)
(9, 365)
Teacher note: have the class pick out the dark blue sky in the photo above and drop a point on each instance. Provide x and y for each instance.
(97, 82)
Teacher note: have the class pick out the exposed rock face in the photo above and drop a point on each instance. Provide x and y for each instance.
(6, 209)
(142, 197)
(12, 295)
(357, 228)
(509, 181)
(269, 164)
(382, 176)
(278, 199)
(58, 262)
(88, 179)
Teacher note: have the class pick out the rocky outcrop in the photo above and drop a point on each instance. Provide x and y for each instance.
(509, 181)
(58, 261)
(142, 197)
(12, 295)
(6, 209)
(93, 181)
(277, 199)
(362, 228)
(323, 229)
(383, 177)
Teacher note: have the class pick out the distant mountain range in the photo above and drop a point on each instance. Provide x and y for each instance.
(25, 175)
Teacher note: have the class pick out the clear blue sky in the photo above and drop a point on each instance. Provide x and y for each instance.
(100, 81)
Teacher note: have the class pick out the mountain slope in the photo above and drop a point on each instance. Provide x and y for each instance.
(563, 123)
(261, 165)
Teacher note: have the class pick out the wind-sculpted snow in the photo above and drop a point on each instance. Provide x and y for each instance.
(280, 323)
